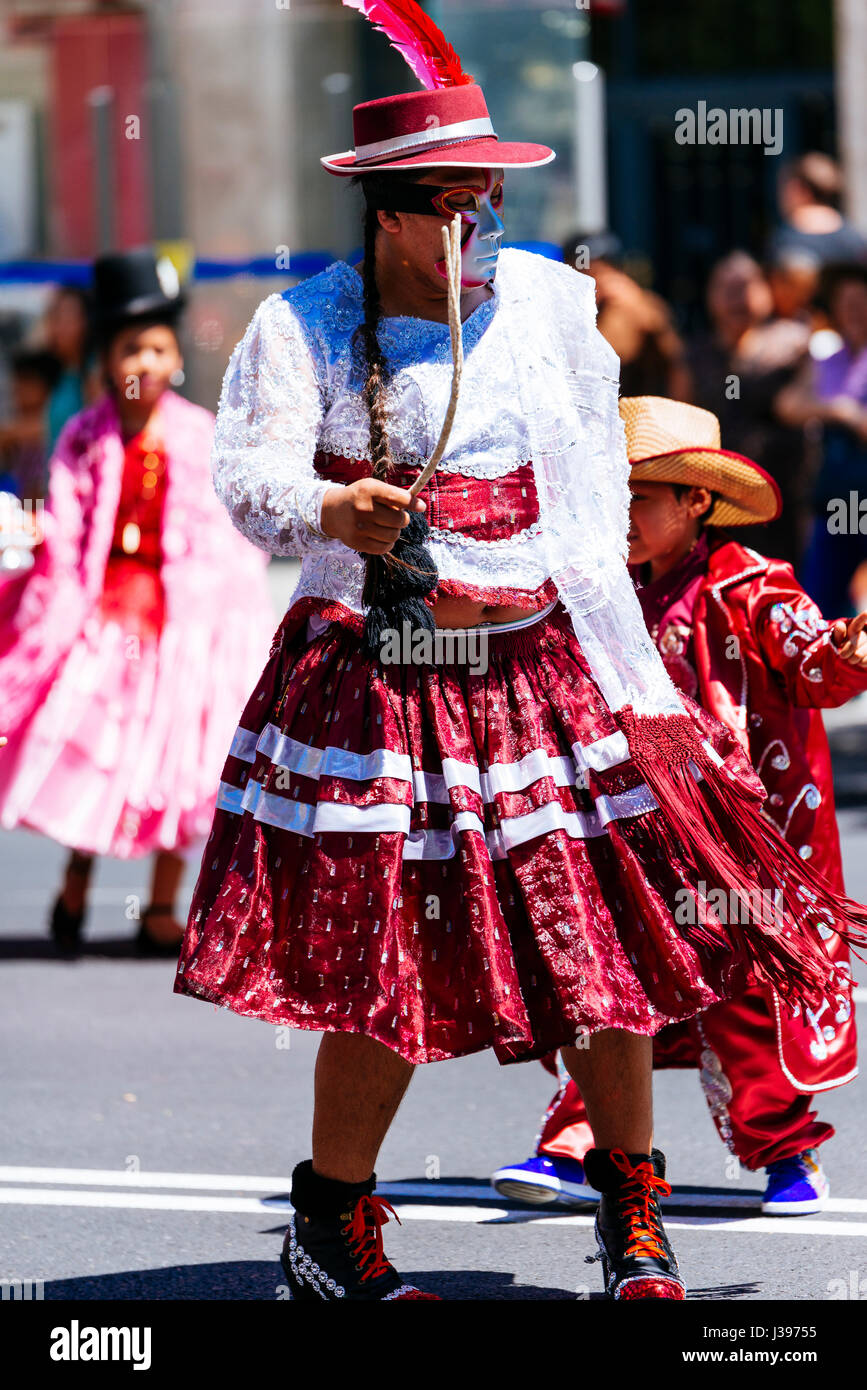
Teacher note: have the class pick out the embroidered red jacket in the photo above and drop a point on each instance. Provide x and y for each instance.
(766, 667)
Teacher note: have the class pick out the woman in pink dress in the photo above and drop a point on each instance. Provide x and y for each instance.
(127, 650)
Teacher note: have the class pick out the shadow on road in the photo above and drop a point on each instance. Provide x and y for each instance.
(264, 1281)
(43, 948)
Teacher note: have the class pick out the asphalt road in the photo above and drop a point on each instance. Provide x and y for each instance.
(148, 1139)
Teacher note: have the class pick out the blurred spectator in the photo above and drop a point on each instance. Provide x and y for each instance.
(832, 393)
(738, 370)
(793, 278)
(810, 194)
(23, 456)
(636, 322)
(66, 332)
(858, 588)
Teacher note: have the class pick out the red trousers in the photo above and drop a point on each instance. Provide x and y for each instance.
(760, 1115)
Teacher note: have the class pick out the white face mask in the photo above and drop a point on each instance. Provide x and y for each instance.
(483, 230)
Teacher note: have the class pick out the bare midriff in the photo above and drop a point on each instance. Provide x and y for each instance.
(463, 611)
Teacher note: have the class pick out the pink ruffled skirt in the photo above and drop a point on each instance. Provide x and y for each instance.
(123, 756)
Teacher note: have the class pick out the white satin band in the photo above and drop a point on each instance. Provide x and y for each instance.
(432, 135)
(309, 819)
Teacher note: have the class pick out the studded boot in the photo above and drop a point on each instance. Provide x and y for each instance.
(637, 1259)
(333, 1247)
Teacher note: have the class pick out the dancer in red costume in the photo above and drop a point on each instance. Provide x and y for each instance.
(429, 858)
(737, 633)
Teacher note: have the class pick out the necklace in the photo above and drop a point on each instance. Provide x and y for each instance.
(153, 466)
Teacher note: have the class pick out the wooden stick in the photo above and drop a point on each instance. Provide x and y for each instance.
(452, 247)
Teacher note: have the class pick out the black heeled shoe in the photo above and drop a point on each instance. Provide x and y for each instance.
(147, 945)
(65, 927)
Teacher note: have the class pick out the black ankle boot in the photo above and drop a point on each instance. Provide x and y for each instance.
(147, 945)
(333, 1247)
(65, 927)
(637, 1260)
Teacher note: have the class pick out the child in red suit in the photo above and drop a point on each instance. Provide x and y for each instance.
(739, 634)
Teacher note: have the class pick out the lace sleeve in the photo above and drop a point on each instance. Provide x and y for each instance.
(593, 377)
(270, 411)
(568, 381)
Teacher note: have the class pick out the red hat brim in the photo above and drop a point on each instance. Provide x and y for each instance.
(484, 153)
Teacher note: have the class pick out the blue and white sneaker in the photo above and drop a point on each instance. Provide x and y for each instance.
(796, 1186)
(546, 1182)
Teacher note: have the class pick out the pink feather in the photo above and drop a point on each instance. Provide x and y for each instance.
(416, 37)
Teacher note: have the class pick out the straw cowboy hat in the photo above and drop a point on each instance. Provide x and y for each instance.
(671, 442)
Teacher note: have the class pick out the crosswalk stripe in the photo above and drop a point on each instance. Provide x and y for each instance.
(748, 1201)
(488, 1214)
(277, 1189)
(117, 1177)
(759, 1225)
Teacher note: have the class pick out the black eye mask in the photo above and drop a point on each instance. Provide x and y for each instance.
(401, 195)
(428, 198)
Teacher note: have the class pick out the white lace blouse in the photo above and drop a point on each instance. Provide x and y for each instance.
(293, 390)
(532, 490)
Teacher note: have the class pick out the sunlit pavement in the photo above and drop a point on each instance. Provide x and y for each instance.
(148, 1139)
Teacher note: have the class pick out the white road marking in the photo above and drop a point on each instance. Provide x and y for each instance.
(748, 1201)
(116, 1177)
(146, 1201)
(760, 1225)
(80, 1182)
(132, 1201)
(393, 1191)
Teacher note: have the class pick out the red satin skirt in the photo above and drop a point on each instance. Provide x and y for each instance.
(443, 859)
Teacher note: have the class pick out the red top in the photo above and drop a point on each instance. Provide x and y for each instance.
(485, 509)
(132, 589)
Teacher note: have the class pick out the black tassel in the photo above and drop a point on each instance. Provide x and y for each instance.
(395, 586)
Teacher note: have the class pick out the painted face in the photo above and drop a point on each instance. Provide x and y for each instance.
(483, 227)
(480, 208)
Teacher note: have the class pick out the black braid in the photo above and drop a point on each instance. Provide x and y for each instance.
(395, 584)
(374, 386)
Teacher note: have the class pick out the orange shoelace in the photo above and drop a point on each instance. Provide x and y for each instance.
(365, 1234)
(635, 1199)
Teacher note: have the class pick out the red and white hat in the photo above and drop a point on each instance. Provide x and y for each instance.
(445, 125)
(426, 130)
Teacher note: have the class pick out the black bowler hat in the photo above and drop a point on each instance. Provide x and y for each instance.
(134, 284)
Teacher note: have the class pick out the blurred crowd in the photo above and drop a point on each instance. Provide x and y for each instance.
(782, 362)
(49, 378)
